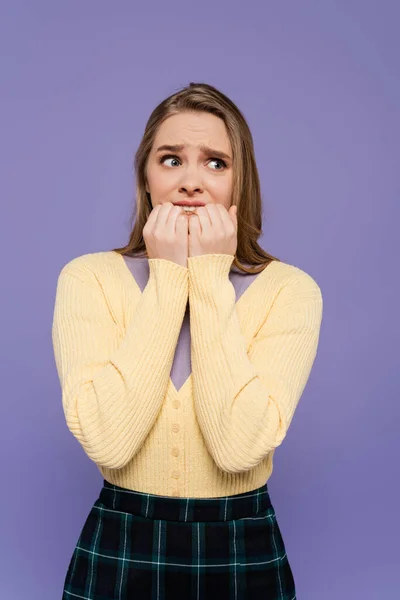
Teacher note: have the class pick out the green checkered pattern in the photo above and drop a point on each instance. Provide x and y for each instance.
(142, 546)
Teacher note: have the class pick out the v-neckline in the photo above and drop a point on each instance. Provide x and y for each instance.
(238, 302)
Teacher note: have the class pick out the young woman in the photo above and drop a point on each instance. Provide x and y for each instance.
(182, 357)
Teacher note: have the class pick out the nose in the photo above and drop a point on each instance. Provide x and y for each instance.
(191, 182)
(190, 188)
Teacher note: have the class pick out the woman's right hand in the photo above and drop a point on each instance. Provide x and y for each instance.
(166, 233)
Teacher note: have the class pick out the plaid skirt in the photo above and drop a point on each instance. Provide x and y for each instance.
(135, 545)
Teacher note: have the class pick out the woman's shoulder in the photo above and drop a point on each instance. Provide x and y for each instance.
(94, 264)
(287, 274)
(102, 275)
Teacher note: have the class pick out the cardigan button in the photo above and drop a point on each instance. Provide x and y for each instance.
(176, 474)
(176, 403)
(175, 427)
(175, 451)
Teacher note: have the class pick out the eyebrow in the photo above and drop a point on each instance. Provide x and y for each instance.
(203, 148)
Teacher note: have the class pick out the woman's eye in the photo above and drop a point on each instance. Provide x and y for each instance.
(218, 160)
(165, 158)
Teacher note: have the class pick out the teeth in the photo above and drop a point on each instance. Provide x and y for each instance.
(189, 208)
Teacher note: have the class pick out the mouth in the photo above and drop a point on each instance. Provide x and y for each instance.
(188, 207)
(190, 203)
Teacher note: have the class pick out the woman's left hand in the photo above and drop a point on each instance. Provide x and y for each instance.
(213, 230)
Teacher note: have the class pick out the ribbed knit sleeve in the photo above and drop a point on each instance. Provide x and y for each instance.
(113, 386)
(245, 400)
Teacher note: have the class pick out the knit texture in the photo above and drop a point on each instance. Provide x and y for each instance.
(114, 346)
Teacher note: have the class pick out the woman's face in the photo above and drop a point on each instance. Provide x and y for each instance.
(191, 159)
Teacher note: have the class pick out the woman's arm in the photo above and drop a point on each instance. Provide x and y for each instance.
(245, 401)
(113, 386)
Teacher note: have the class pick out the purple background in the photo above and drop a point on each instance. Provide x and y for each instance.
(319, 85)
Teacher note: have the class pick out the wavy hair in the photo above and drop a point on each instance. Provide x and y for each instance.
(246, 193)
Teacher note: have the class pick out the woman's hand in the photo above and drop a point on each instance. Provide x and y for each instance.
(166, 234)
(213, 230)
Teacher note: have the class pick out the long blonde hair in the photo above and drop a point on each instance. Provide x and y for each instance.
(246, 193)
